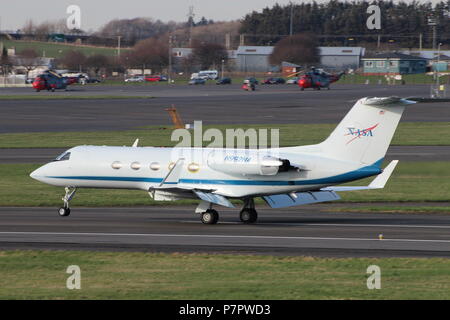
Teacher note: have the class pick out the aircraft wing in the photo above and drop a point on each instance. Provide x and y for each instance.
(378, 183)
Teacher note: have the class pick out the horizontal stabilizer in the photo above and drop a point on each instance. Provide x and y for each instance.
(300, 198)
(384, 101)
(214, 198)
(378, 183)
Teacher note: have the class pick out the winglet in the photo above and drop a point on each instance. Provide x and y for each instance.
(135, 144)
(380, 181)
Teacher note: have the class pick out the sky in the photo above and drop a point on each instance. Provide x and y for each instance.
(96, 13)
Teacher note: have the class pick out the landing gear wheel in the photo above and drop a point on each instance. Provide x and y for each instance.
(210, 216)
(248, 215)
(64, 212)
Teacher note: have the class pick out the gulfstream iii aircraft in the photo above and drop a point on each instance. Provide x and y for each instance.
(282, 177)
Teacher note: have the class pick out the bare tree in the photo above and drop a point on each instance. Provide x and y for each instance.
(150, 53)
(74, 60)
(300, 49)
(98, 62)
(28, 59)
(209, 54)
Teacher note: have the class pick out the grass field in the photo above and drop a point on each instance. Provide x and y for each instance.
(396, 209)
(18, 189)
(408, 78)
(57, 50)
(104, 275)
(408, 133)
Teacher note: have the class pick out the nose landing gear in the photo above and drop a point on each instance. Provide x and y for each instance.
(70, 193)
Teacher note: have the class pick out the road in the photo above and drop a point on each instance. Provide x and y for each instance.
(212, 104)
(310, 230)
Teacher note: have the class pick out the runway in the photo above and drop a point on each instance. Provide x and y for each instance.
(212, 104)
(310, 230)
(402, 153)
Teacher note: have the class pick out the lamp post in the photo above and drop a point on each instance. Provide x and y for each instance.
(437, 65)
(223, 61)
(169, 76)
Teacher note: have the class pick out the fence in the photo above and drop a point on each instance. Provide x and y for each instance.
(13, 81)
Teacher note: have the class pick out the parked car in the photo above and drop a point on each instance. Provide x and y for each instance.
(153, 78)
(206, 74)
(274, 81)
(293, 80)
(135, 79)
(94, 80)
(251, 80)
(224, 81)
(197, 81)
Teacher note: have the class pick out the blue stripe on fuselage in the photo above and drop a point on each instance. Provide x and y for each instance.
(341, 178)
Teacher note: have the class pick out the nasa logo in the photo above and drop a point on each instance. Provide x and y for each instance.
(358, 133)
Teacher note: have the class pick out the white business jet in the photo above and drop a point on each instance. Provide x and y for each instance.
(283, 177)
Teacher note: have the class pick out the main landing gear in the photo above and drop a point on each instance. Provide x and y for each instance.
(210, 216)
(70, 192)
(248, 214)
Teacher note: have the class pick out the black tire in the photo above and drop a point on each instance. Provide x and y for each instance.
(63, 212)
(248, 215)
(302, 89)
(211, 216)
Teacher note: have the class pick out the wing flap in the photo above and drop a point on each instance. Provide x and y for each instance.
(300, 198)
(214, 198)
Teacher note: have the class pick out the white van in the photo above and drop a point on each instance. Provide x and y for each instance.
(206, 74)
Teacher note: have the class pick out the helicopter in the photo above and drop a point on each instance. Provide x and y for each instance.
(50, 81)
(317, 79)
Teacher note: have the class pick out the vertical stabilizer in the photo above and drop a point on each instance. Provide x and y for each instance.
(366, 131)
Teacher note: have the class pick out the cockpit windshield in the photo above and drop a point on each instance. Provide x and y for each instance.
(62, 157)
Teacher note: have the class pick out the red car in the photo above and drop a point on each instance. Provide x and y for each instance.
(155, 78)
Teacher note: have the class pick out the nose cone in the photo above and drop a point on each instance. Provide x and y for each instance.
(38, 174)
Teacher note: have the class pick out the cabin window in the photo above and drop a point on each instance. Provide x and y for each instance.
(135, 165)
(155, 166)
(63, 157)
(380, 64)
(193, 167)
(368, 64)
(116, 165)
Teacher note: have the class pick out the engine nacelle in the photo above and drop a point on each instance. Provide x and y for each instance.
(245, 162)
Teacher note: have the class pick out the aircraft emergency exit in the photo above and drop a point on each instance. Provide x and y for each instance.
(282, 177)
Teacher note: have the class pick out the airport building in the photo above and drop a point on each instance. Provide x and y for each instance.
(393, 63)
(256, 58)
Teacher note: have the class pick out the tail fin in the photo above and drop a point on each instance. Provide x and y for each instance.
(366, 131)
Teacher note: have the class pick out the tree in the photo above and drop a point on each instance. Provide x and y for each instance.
(97, 62)
(209, 54)
(300, 49)
(28, 58)
(5, 62)
(133, 30)
(150, 53)
(74, 60)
